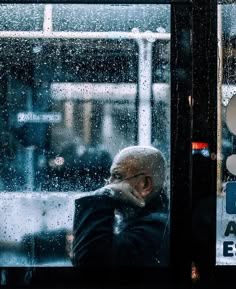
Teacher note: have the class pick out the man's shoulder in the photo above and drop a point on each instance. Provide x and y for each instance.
(155, 219)
(83, 198)
(94, 200)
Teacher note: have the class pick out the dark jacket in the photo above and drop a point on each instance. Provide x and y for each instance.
(101, 239)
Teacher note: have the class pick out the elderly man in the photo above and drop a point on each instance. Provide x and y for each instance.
(125, 223)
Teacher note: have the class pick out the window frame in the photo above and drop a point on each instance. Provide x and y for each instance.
(205, 124)
(204, 90)
(185, 127)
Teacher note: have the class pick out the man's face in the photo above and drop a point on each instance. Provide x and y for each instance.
(126, 171)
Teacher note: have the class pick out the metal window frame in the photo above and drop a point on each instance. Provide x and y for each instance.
(204, 89)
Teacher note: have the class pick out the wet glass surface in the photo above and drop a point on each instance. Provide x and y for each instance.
(78, 85)
(225, 246)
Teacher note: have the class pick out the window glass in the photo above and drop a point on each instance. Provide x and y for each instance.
(78, 84)
(21, 17)
(226, 169)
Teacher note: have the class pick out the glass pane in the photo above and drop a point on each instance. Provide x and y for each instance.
(78, 84)
(226, 170)
(21, 17)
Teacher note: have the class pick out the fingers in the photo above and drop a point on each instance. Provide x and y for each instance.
(136, 202)
(127, 194)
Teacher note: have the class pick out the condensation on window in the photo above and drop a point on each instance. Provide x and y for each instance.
(78, 84)
(226, 136)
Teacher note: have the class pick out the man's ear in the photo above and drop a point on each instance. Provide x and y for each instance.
(147, 186)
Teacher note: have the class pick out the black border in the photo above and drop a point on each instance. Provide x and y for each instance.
(181, 115)
(205, 130)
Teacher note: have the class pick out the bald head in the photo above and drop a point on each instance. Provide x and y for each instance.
(143, 159)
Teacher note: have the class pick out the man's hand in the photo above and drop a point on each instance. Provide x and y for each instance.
(125, 193)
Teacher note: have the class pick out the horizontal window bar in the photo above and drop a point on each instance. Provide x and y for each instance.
(84, 35)
(94, 1)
